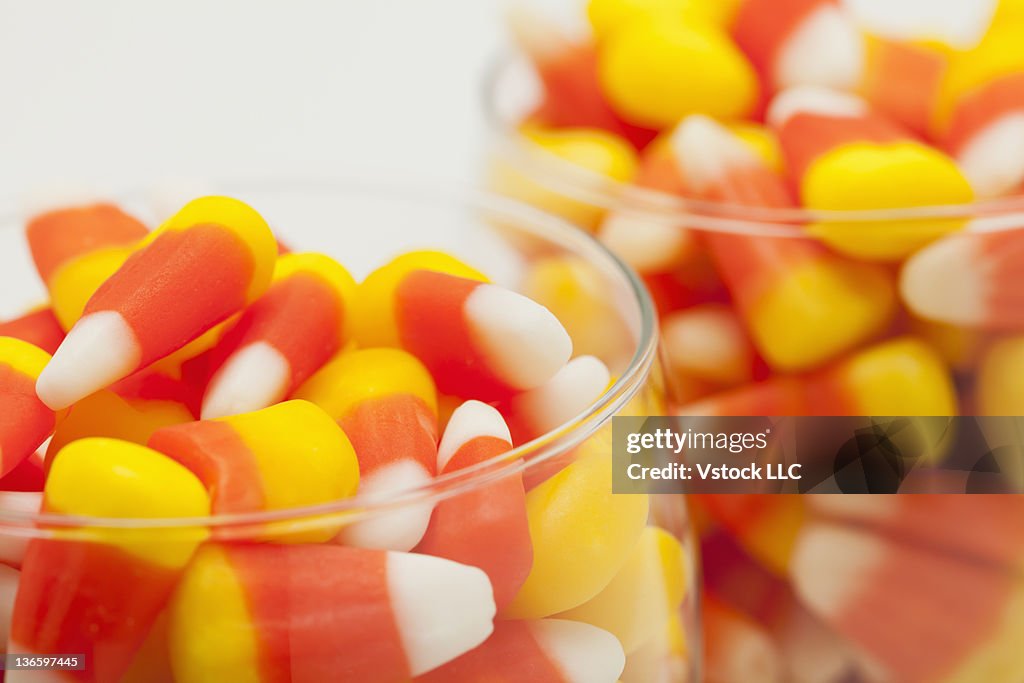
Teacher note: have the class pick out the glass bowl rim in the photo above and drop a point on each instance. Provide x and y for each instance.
(521, 458)
(584, 185)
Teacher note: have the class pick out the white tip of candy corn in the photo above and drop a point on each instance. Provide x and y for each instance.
(943, 282)
(442, 608)
(8, 590)
(826, 50)
(401, 529)
(582, 652)
(98, 351)
(524, 342)
(707, 151)
(12, 547)
(993, 160)
(831, 565)
(566, 395)
(647, 244)
(253, 378)
(809, 99)
(470, 420)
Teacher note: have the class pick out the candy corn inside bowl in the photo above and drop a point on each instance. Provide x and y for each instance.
(831, 222)
(403, 466)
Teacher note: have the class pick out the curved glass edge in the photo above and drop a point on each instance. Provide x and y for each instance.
(1004, 213)
(521, 458)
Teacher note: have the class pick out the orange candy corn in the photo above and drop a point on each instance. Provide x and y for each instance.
(841, 155)
(286, 456)
(283, 338)
(312, 613)
(39, 328)
(971, 279)
(986, 136)
(541, 651)
(782, 286)
(385, 401)
(25, 421)
(565, 396)
(874, 590)
(478, 340)
(486, 527)
(202, 266)
(57, 238)
(98, 595)
(568, 72)
(902, 376)
(800, 42)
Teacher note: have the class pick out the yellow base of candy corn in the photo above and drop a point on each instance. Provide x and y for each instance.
(891, 176)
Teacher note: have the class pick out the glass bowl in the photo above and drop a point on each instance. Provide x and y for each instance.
(626, 563)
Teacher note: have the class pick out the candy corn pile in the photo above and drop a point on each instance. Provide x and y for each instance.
(204, 372)
(768, 124)
(786, 116)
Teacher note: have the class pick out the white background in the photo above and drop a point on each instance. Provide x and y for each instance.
(124, 92)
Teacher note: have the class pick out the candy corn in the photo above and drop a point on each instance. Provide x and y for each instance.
(971, 279)
(98, 595)
(77, 249)
(199, 268)
(876, 590)
(546, 650)
(107, 414)
(39, 328)
(25, 421)
(800, 42)
(978, 113)
(899, 377)
(287, 456)
(843, 156)
(605, 155)
(374, 308)
(582, 536)
(581, 298)
(57, 238)
(385, 401)
(999, 390)
(783, 287)
(568, 71)
(478, 340)
(708, 344)
(283, 338)
(567, 395)
(486, 527)
(645, 593)
(655, 72)
(312, 613)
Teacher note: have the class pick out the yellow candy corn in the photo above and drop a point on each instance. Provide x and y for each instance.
(655, 72)
(602, 153)
(643, 595)
(109, 415)
(582, 535)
